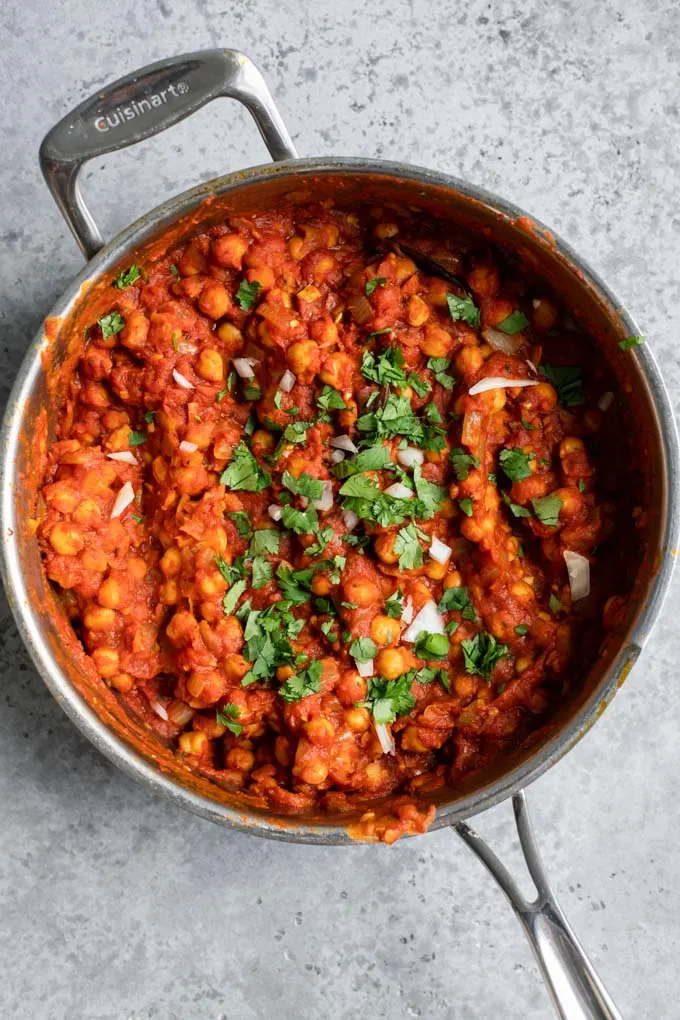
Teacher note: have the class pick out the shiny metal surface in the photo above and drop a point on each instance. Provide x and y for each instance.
(568, 974)
(575, 988)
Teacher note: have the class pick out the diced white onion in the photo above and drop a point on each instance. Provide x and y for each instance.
(336, 457)
(503, 342)
(578, 568)
(385, 737)
(287, 381)
(186, 347)
(428, 619)
(125, 496)
(275, 512)
(343, 443)
(439, 551)
(532, 366)
(182, 380)
(159, 710)
(400, 491)
(365, 668)
(351, 519)
(536, 302)
(326, 500)
(411, 456)
(606, 401)
(186, 447)
(180, 714)
(125, 457)
(407, 611)
(498, 382)
(244, 367)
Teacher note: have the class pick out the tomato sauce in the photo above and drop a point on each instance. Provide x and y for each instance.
(309, 504)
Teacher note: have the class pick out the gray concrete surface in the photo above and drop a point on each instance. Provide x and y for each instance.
(114, 906)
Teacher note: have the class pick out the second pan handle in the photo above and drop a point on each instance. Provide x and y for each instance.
(575, 988)
(141, 105)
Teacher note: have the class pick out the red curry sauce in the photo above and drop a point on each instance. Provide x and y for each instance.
(295, 542)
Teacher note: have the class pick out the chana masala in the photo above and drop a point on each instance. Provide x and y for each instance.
(332, 519)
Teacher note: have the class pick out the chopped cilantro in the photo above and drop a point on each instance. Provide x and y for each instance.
(439, 367)
(262, 572)
(174, 270)
(302, 684)
(242, 523)
(311, 488)
(330, 400)
(395, 605)
(244, 472)
(528, 426)
(389, 698)
(515, 463)
(329, 632)
(521, 629)
(363, 649)
(547, 509)
(296, 432)
(463, 308)
(111, 324)
(462, 462)
(296, 585)
(515, 508)
(377, 281)
(630, 342)
(247, 293)
(149, 417)
(458, 600)
(127, 277)
(466, 506)
(431, 646)
(373, 459)
(265, 542)
(267, 637)
(396, 418)
(582, 487)
(481, 653)
(554, 604)
(232, 596)
(568, 381)
(136, 438)
(386, 368)
(138, 518)
(513, 323)
(408, 548)
(226, 715)
(302, 522)
(420, 386)
(349, 605)
(278, 399)
(378, 332)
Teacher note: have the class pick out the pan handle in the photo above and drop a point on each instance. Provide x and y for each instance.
(140, 105)
(576, 990)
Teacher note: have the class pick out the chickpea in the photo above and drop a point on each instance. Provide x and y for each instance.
(87, 512)
(384, 630)
(171, 561)
(391, 662)
(410, 740)
(522, 591)
(384, 230)
(136, 330)
(194, 743)
(228, 251)
(544, 315)
(235, 667)
(241, 758)
(321, 584)
(361, 591)
(437, 343)
(542, 397)
(192, 261)
(484, 280)
(211, 585)
(99, 618)
(314, 772)
(337, 371)
(309, 294)
(283, 751)
(469, 360)
(264, 276)
(262, 442)
(168, 593)
(436, 571)
(122, 682)
(324, 265)
(384, 548)
(453, 579)
(214, 300)
(210, 365)
(95, 560)
(351, 688)
(231, 337)
(522, 663)
(192, 480)
(304, 359)
(572, 502)
(66, 539)
(110, 594)
(320, 731)
(137, 567)
(106, 661)
(465, 685)
(418, 311)
(357, 719)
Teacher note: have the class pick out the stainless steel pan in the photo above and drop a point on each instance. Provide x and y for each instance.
(141, 105)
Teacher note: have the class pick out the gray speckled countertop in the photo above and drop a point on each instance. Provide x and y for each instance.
(114, 905)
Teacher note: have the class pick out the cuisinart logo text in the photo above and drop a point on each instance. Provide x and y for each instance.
(138, 107)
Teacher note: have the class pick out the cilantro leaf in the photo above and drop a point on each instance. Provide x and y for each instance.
(377, 281)
(302, 522)
(247, 293)
(262, 572)
(439, 366)
(311, 488)
(111, 324)
(547, 509)
(395, 605)
(296, 432)
(226, 715)
(233, 595)
(136, 438)
(515, 508)
(568, 381)
(522, 629)
(466, 506)
(378, 332)
(296, 585)
(265, 542)
(481, 653)
(373, 459)
(408, 548)
(385, 368)
(149, 417)
(465, 309)
(554, 604)
(513, 323)
(630, 342)
(302, 684)
(127, 277)
(242, 523)
(462, 462)
(389, 698)
(430, 495)
(363, 649)
(431, 646)
(420, 386)
(515, 463)
(330, 400)
(457, 600)
(244, 472)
